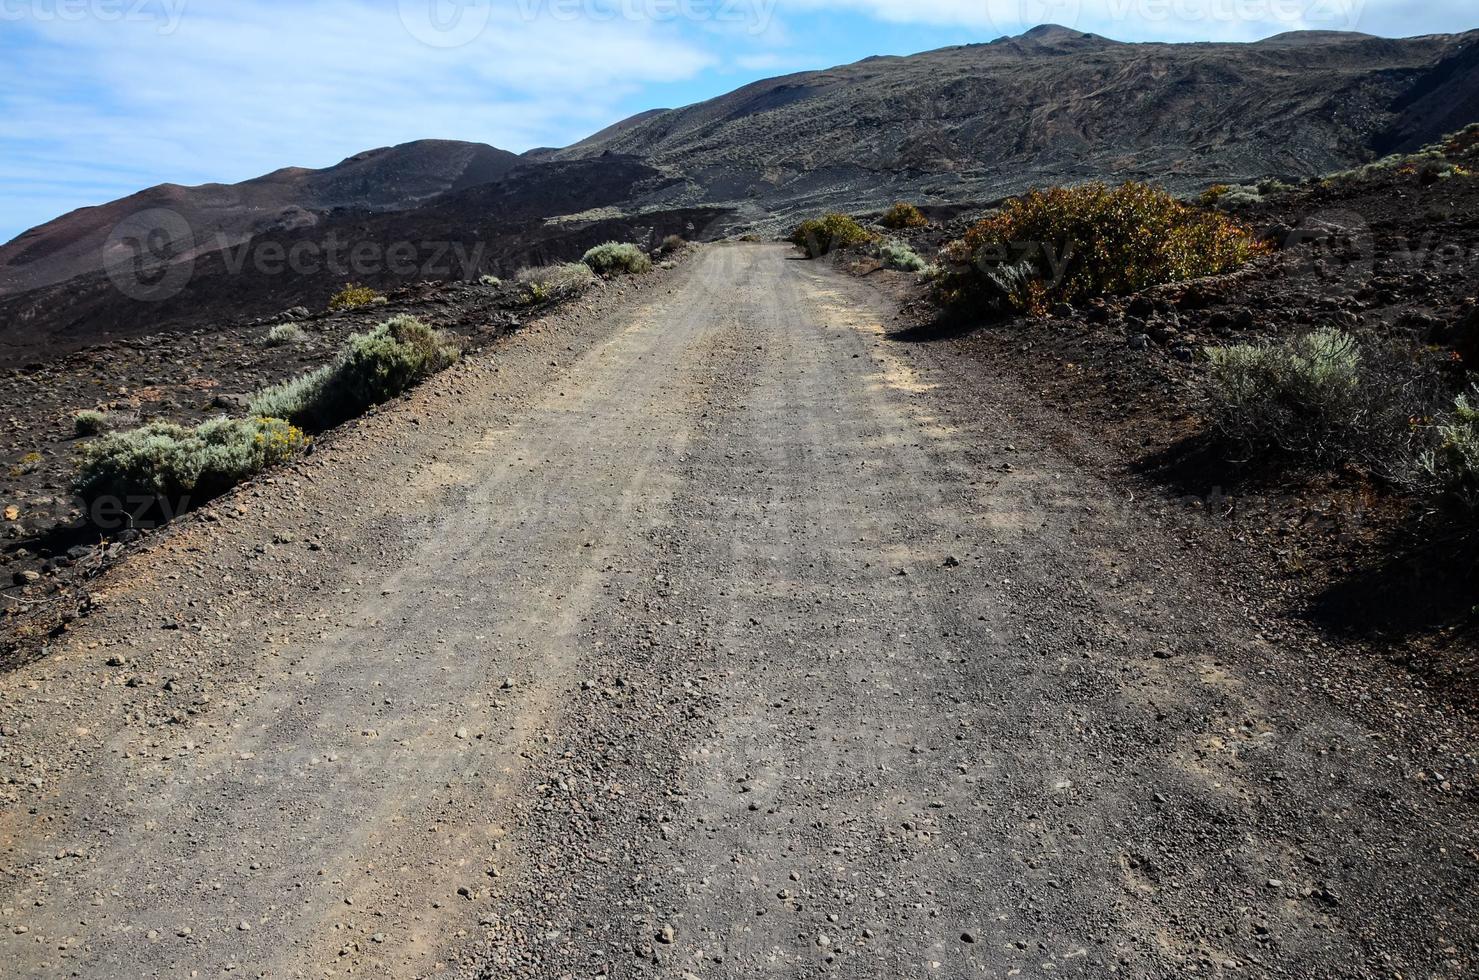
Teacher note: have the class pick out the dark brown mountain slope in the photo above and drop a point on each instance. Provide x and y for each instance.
(981, 121)
(535, 213)
(387, 179)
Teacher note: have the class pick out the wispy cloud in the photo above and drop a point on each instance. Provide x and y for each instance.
(233, 90)
(99, 98)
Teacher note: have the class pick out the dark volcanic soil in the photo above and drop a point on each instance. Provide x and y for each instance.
(1355, 553)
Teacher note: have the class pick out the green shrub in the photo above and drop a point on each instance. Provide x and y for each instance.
(1455, 155)
(1453, 467)
(902, 216)
(381, 364)
(1231, 197)
(555, 282)
(1071, 243)
(1302, 399)
(90, 422)
(294, 399)
(897, 255)
(284, 334)
(818, 236)
(611, 258)
(353, 297)
(372, 368)
(172, 462)
(493, 281)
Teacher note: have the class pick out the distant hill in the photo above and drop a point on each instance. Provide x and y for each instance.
(389, 179)
(981, 121)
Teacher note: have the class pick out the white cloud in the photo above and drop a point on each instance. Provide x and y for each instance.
(235, 90)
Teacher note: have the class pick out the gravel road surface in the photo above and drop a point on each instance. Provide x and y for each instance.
(706, 631)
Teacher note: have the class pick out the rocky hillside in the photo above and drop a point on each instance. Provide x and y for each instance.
(981, 121)
(956, 127)
(220, 215)
(532, 215)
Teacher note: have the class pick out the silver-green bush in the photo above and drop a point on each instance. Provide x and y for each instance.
(611, 258)
(1453, 466)
(291, 399)
(90, 422)
(372, 368)
(172, 462)
(284, 334)
(1302, 398)
(897, 255)
(563, 281)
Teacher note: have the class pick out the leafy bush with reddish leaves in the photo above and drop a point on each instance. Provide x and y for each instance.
(1071, 243)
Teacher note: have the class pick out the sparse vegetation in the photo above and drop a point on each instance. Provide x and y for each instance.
(1231, 197)
(1309, 400)
(372, 368)
(90, 422)
(897, 255)
(819, 236)
(555, 282)
(284, 334)
(613, 258)
(353, 297)
(1455, 155)
(1453, 466)
(903, 215)
(172, 462)
(291, 399)
(492, 281)
(671, 244)
(1071, 243)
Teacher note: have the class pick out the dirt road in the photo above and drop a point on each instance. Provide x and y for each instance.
(713, 633)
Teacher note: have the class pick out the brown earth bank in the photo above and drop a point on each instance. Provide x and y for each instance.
(722, 630)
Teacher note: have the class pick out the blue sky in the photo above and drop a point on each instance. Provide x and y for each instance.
(99, 98)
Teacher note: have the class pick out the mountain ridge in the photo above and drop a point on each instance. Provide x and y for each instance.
(387, 178)
(954, 125)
